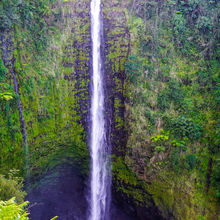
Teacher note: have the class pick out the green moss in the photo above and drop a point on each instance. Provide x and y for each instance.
(50, 102)
(169, 193)
(183, 201)
(128, 183)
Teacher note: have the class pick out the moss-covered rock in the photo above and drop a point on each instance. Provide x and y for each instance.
(54, 88)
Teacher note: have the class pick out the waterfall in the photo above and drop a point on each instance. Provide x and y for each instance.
(100, 175)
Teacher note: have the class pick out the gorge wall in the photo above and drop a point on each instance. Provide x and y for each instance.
(54, 85)
(161, 101)
(54, 88)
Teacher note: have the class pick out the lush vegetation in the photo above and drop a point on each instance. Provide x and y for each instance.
(10, 210)
(173, 98)
(162, 59)
(35, 44)
(36, 17)
(36, 51)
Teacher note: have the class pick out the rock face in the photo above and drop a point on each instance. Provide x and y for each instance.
(54, 92)
(53, 87)
(115, 51)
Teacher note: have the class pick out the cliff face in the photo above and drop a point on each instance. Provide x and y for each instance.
(149, 86)
(170, 149)
(54, 89)
(54, 83)
(116, 50)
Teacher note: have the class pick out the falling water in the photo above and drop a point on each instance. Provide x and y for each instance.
(100, 179)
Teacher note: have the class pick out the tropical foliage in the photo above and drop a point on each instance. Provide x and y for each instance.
(164, 90)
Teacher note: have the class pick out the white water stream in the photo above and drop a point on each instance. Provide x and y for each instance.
(98, 146)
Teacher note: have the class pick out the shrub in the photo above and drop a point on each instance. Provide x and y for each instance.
(163, 100)
(2, 70)
(185, 127)
(190, 161)
(216, 178)
(11, 187)
(175, 161)
(133, 69)
(9, 14)
(176, 92)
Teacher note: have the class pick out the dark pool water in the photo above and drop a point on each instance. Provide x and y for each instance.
(62, 192)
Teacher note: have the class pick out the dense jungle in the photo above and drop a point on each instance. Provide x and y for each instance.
(161, 75)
